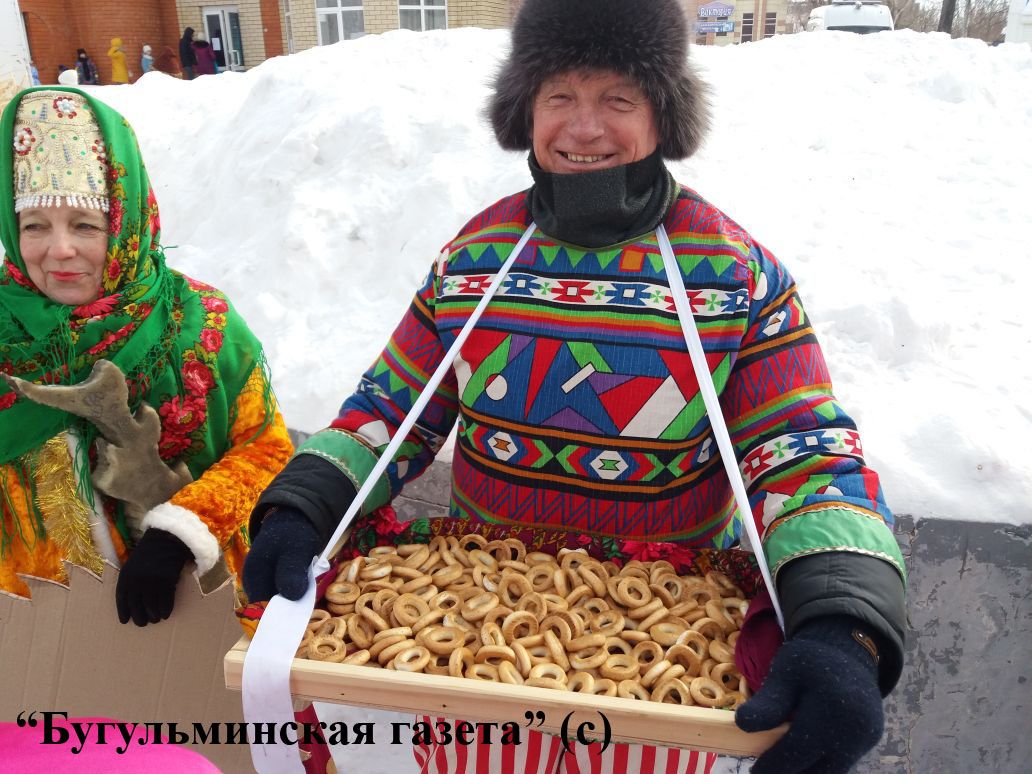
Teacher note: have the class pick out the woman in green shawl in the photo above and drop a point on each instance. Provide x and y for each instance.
(84, 280)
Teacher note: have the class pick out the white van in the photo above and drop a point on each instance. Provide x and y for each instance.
(861, 16)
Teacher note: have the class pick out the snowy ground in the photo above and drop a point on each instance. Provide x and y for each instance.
(892, 173)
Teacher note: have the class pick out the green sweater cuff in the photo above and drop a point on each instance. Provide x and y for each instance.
(352, 458)
(835, 528)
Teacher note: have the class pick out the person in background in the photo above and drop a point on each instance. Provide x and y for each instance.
(205, 55)
(34, 72)
(187, 57)
(67, 76)
(146, 60)
(86, 296)
(166, 62)
(576, 383)
(87, 71)
(119, 71)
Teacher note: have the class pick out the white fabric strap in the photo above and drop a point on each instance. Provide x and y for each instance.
(265, 684)
(716, 416)
(266, 677)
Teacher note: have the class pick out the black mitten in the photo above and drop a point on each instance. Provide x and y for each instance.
(825, 680)
(280, 556)
(146, 589)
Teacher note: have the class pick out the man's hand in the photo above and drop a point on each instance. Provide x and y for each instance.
(280, 556)
(146, 589)
(825, 681)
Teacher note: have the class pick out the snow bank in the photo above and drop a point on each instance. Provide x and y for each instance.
(889, 172)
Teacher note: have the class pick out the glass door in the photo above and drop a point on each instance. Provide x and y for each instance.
(222, 25)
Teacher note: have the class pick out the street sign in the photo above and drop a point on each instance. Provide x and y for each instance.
(718, 26)
(715, 10)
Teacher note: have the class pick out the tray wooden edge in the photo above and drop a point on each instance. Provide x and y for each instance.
(649, 723)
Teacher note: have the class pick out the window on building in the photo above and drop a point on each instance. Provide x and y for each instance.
(288, 25)
(422, 15)
(747, 25)
(770, 23)
(339, 20)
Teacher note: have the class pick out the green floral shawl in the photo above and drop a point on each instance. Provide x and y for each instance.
(181, 345)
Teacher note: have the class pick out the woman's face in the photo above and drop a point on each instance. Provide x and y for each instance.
(589, 120)
(65, 251)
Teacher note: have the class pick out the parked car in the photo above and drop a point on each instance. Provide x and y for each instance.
(860, 16)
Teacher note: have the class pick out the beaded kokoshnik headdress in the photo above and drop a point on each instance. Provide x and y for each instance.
(59, 153)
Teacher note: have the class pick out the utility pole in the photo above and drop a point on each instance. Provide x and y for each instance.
(949, 8)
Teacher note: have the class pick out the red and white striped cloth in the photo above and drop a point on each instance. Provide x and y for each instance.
(543, 754)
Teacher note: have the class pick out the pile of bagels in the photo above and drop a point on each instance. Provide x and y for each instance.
(491, 610)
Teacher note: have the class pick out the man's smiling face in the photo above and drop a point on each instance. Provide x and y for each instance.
(586, 120)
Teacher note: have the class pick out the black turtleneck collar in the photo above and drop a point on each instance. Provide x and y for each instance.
(597, 209)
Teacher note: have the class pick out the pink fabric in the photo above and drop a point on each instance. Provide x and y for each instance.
(544, 754)
(22, 750)
(758, 641)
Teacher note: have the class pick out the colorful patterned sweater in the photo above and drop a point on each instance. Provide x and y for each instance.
(578, 409)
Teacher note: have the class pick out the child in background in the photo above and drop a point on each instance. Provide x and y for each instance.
(119, 70)
(86, 69)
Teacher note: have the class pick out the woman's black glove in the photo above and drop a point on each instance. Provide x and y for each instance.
(280, 556)
(825, 680)
(146, 589)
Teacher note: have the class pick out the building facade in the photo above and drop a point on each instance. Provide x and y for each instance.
(243, 33)
(1019, 22)
(56, 28)
(311, 23)
(724, 23)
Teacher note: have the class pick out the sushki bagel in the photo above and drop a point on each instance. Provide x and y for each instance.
(489, 610)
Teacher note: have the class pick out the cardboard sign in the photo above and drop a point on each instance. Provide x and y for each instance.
(65, 651)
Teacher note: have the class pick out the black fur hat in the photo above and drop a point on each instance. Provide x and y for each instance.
(646, 40)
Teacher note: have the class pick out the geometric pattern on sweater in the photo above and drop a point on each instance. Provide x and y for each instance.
(481, 494)
(575, 386)
(577, 405)
(784, 449)
(638, 466)
(705, 302)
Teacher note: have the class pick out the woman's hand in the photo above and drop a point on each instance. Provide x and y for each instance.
(146, 590)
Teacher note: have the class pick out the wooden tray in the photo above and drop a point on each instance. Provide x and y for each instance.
(639, 722)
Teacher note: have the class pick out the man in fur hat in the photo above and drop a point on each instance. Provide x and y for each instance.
(579, 418)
